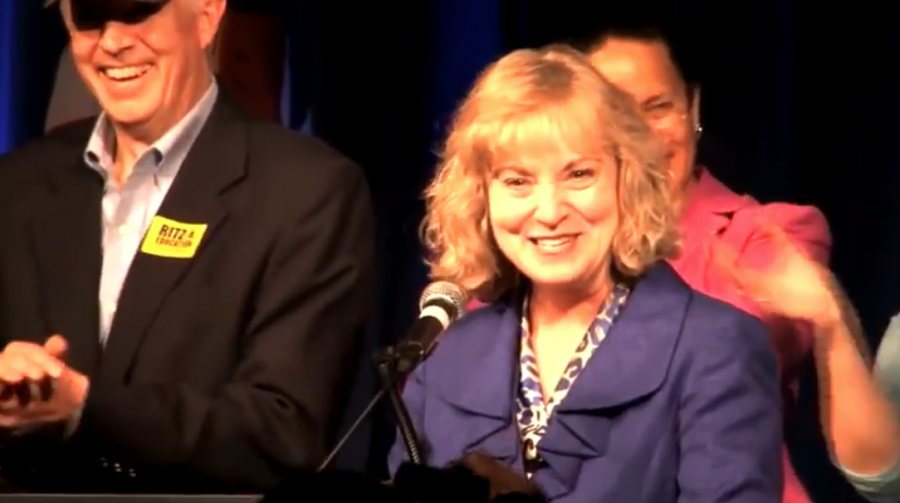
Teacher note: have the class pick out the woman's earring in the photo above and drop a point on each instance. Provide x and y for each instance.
(698, 131)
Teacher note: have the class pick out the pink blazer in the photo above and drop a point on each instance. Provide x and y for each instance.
(715, 213)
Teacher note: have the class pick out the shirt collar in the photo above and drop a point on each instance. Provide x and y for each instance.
(710, 196)
(175, 143)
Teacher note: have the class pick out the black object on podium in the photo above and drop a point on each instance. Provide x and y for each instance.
(393, 364)
(476, 478)
(125, 498)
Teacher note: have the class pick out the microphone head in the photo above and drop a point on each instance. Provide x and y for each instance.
(448, 294)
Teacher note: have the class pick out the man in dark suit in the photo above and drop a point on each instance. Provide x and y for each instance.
(183, 289)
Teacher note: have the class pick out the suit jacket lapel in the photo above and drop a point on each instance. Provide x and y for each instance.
(69, 246)
(631, 362)
(634, 358)
(215, 162)
(707, 213)
(485, 384)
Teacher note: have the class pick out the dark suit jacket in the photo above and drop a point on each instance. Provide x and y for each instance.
(222, 372)
(680, 403)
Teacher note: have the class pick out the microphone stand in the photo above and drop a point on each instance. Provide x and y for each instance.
(393, 364)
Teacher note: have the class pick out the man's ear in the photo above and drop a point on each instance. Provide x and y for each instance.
(211, 13)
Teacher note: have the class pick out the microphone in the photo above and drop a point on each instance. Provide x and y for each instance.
(441, 304)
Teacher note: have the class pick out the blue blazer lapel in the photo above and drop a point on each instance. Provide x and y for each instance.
(634, 358)
(631, 363)
(482, 381)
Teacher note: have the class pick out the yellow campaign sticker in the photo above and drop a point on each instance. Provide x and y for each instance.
(168, 238)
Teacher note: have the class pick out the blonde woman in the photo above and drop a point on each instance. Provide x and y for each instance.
(595, 370)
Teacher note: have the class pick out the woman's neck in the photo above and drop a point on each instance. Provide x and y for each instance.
(552, 305)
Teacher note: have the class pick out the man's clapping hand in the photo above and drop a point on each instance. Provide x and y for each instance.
(24, 366)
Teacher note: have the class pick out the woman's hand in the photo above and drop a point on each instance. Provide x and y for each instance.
(792, 286)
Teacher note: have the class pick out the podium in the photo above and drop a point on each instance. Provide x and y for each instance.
(125, 498)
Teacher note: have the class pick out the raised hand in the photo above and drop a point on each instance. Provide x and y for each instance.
(792, 285)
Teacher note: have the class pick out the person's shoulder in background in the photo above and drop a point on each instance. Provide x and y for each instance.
(806, 226)
(71, 100)
(887, 361)
(250, 54)
(884, 487)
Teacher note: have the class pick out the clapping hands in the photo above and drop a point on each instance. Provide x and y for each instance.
(37, 386)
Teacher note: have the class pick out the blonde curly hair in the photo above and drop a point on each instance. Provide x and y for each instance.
(554, 92)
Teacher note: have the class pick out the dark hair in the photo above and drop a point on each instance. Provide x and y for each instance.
(587, 24)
